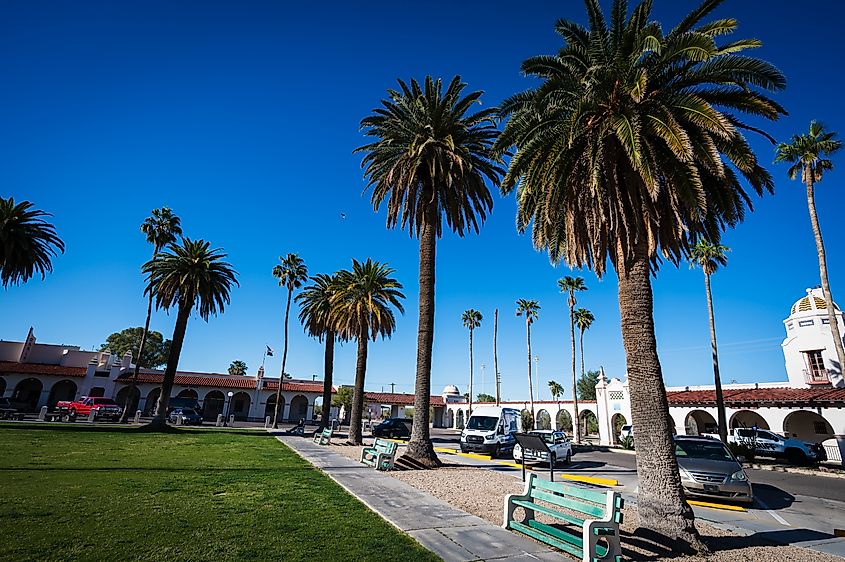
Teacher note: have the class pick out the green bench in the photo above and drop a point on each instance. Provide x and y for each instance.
(583, 518)
(323, 437)
(380, 455)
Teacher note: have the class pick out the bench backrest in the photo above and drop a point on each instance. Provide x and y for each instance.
(592, 503)
(382, 446)
(327, 432)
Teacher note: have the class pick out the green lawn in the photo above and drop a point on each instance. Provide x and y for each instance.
(72, 492)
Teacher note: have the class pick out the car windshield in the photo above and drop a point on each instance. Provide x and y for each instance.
(484, 423)
(714, 451)
(547, 437)
(105, 401)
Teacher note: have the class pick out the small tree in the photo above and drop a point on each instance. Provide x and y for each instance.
(486, 398)
(156, 347)
(527, 419)
(237, 367)
(343, 399)
(587, 385)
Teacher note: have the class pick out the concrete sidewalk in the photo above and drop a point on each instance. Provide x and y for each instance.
(452, 534)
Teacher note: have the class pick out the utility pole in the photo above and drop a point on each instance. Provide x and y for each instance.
(482, 377)
(496, 355)
(498, 385)
(537, 376)
(393, 384)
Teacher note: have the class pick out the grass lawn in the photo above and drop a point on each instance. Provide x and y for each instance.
(72, 492)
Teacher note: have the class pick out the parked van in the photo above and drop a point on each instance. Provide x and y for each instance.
(490, 430)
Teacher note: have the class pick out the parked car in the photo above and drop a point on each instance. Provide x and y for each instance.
(626, 431)
(708, 469)
(557, 442)
(395, 428)
(189, 416)
(490, 430)
(9, 411)
(103, 408)
(191, 403)
(769, 444)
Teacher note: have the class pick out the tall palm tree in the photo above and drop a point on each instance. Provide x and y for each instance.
(318, 319)
(630, 149)
(709, 257)
(808, 155)
(556, 390)
(191, 276)
(291, 273)
(471, 319)
(363, 306)
(429, 161)
(572, 285)
(161, 229)
(531, 310)
(28, 243)
(583, 319)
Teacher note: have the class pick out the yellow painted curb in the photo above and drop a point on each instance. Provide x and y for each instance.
(474, 456)
(394, 440)
(716, 505)
(445, 450)
(515, 465)
(591, 480)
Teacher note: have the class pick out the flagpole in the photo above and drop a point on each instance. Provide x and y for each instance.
(263, 359)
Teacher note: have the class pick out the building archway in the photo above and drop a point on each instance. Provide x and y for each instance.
(298, 408)
(126, 398)
(544, 420)
(27, 394)
(270, 408)
(212, 405)
(151, 404)
(451, 418)
(526, 415)
(699, 421)
(240, 406)
(62, 390)
(317, 409)
(564, 422)
(747, 418)
(188, 393)
(616, 422)
(459, 421)
(807, 426)
(589, 423)
(2, 386)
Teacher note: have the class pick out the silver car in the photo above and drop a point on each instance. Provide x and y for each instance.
(709, 470)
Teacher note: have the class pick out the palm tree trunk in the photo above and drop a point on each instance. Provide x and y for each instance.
(284, 360)
(575, 387)
(355, 419)
(419, 446)
(496, 354)
(470, 371)
(660, 504)
(328, 372)
(833, 321)
(159, 421)
(574, 381)
(530, 384)
(720, 399)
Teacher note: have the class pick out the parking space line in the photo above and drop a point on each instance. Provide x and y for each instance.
(711, 505)
(774, 515)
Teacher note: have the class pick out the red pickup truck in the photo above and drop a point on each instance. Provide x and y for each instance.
(103, 408)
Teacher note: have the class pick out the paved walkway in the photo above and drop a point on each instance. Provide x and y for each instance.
(452, 534)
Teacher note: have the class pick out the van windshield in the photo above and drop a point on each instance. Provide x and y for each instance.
(484, 423)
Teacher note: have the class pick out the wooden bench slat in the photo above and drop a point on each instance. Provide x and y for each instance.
(551, 512)
(593, 496)
(575, 505)
(542, 537)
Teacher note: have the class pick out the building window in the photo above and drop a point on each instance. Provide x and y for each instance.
(820, 427)
(815, 364)
(789, 326)
(805, 323)
(96, 392)
(825, 320)
(616, 395)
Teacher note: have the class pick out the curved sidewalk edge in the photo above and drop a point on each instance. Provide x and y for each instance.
(451, 533)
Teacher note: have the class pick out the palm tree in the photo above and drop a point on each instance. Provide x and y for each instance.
(808, 155)
(28, 243)
(237, 368)
(161, 229)
(583, 319)
(316, 315)
(571, 285)
(709, 257)
(630, 149)
(191, 276)
(429, 161)
(363, 306)
(291, 273)
(530, 309)
(472, 320)
(556, 391)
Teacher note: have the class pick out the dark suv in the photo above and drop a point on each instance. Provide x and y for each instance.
(396, 428)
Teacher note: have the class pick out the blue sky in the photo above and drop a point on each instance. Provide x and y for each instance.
(242, 117)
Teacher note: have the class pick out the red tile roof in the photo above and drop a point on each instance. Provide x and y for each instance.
(13, 367)
(222, 381)
(397, 399)
(295, 386)
(752, 396)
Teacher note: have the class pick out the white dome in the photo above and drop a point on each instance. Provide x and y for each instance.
(451, 389)
(814, 301)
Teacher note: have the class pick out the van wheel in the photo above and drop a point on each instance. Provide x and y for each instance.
(568, 457)
(495, 453)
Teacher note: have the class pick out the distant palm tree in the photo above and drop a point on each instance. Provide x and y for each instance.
(531, 310)
(808, 155)
(571, 285)
(191, 276)
(237, 368)
(291, 273)
(583, 319)
(161, 228)
(363, 306)
(709, 257)
(630, 146)
(317, 316)
(472, 320)
(28, 243)
(556, 391)
(429, 161)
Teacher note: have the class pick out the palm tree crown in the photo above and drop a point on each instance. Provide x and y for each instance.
(583, 319)
(315, 305)
(528, 308)
(27, 242)
(191, 275)
(808, 153)
(708, 256)
(556, 389)
(365, 299)
(291, 272)
(162, 227)
(471, 319)
(571, 285)
(431, 156)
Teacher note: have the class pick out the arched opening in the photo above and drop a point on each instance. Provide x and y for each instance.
(151, 403)
(2, 386)
(699, 422)
(317, 414)
(459, 421)
(807, 426)
(127, 398)
(188, 393)
(451, 421)
(589, 423)
(97, 392)
(747, 418)
(617, 421)
(544, 420)
(212, 405)
(62, 390)
(298, 409)
(526, 420)
(564, 422)
(270, 407)
(240, 406)
(27, 394)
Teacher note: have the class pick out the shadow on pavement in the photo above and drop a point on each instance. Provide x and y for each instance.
(772, 497)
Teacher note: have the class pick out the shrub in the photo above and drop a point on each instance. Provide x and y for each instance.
(527, 420)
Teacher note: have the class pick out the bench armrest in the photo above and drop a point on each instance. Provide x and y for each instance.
(525, 496)
(606, 529)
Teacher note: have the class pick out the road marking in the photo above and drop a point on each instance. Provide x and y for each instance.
(776, 517)
(445, 450)
(591, 480)
(474, 456)
(717, 506)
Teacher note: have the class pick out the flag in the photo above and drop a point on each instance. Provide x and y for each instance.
(269, 351)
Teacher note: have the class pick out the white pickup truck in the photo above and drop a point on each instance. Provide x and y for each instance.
(769, 444)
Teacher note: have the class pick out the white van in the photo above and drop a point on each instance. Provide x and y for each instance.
(490, 430)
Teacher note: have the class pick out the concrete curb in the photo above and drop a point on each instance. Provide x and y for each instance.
(795, 470)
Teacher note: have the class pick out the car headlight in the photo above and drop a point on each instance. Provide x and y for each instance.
(489, 437)
(517, 449)
(685, 476)
(739, 475)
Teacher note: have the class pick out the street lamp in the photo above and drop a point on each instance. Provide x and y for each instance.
(229, 409)
(537, 375)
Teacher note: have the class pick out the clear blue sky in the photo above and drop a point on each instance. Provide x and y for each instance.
(242, 117)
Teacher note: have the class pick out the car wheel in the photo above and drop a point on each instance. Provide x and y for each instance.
(568, 458)
(796, 456)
